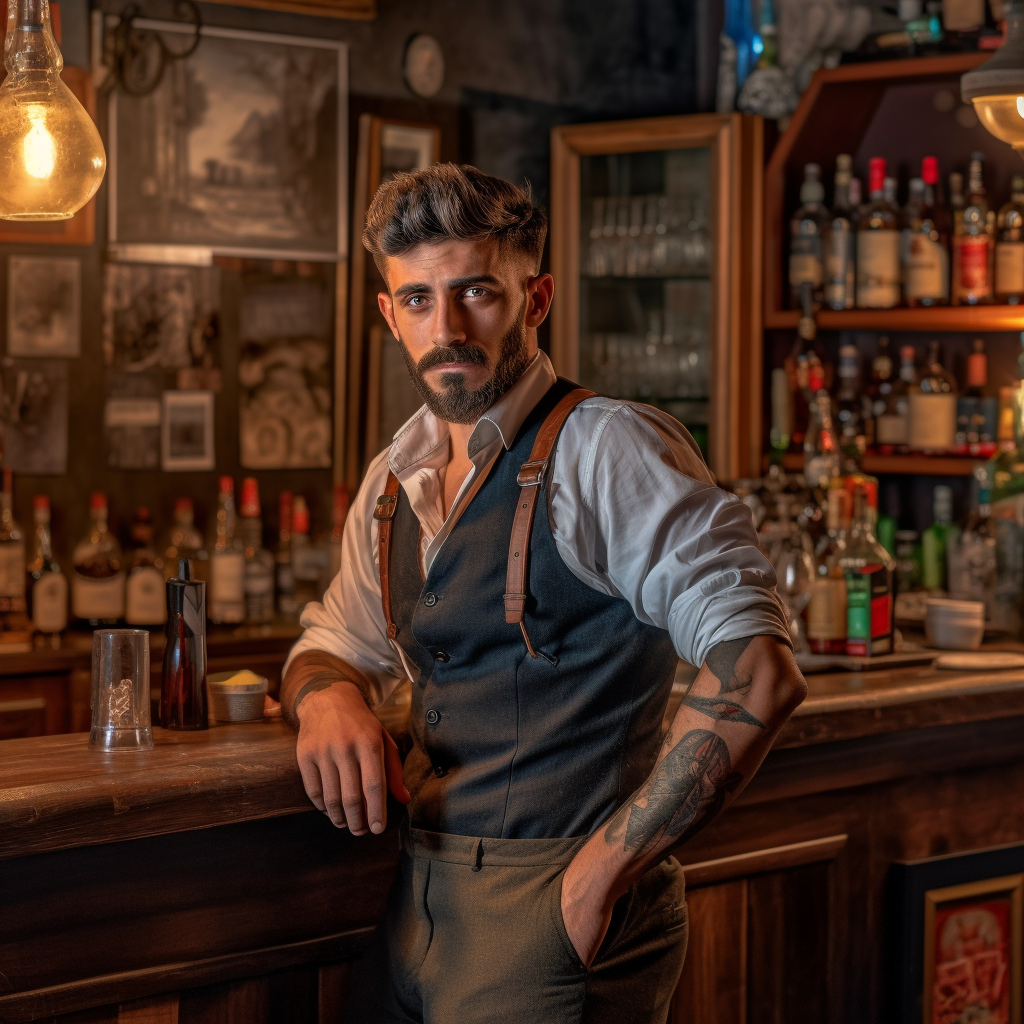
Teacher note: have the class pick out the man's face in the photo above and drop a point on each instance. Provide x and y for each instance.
(466, 318)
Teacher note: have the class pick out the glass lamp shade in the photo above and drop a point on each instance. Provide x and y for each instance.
(1003, 116)
(51, 156)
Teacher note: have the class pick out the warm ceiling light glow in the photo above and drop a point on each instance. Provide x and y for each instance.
(38, 148)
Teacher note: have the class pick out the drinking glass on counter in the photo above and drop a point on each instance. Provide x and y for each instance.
(120, 690)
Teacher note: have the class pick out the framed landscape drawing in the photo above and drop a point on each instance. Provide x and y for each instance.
(959, 928)
(241, 149)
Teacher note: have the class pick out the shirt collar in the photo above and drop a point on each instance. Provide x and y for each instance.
(424, 434)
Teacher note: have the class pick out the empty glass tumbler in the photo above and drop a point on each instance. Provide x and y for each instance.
(120, 690)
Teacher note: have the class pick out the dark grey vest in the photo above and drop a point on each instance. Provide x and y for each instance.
(505, 745)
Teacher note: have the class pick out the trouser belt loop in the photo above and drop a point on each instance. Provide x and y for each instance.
(478, 855)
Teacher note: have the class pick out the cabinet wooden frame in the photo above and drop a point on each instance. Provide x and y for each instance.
(362, 404)
(737, 147)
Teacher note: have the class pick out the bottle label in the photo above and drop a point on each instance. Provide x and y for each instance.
(974, 278)
(927, 268)
(98, 599)
(227, 576)
(891, 428)
(145, 597)
(259, 580)
(838, 264)
(878, 269)
(12, 577)
(826, 613)
(932, 422)
(1010, 268)
(804, 263)
(50, 602)
(869, 611)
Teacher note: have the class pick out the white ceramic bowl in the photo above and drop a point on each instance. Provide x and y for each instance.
(954, 625)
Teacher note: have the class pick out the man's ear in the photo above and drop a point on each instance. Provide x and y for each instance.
(540, 291)
(387, 308)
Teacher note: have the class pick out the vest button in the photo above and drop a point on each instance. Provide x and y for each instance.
(441, 656)
(430, 600)
(433, 717)
(439, 771)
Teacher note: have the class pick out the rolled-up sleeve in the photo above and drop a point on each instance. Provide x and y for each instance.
(637, 514)
(349, 622)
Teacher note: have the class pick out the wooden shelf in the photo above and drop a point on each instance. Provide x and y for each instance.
(913, 465)
(941, 318)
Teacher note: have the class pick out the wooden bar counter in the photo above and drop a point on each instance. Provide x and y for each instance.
(195, 883)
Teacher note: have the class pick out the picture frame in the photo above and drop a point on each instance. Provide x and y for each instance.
(44, 306)
(957, 938)
(246, 171)
(385, 147)
(186, 433)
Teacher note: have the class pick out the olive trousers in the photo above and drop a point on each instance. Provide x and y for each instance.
(473, 934)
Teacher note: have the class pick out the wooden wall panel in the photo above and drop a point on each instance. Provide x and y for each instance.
(283, 996)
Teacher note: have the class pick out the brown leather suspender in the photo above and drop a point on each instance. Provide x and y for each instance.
(384, 512)
(531, 474)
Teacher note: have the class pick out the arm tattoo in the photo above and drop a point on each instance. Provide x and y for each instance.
(317, 670)
(722, 709)
(721, 662)
(687, 789)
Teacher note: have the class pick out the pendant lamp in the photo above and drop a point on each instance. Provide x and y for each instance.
(997, 87)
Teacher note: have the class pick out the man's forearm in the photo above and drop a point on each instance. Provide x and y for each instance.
(316, 670)
(725, 726)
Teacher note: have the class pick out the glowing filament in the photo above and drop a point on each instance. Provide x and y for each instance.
(38, 148)
(1020, 105)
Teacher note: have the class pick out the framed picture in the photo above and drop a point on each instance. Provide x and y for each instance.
(186, 439)
(241, 149)
(34, 415)
(44, 299)
(958, 935)
(385, 148)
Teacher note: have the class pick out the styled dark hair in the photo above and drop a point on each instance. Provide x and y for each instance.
(453, 202)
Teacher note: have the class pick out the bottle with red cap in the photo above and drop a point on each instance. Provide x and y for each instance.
(925, 253)
(226, 600)
(309, 563)
(183, 540)
(46, 587)
(878, 246)
(97, 587)
(259, 563)
(339, 513)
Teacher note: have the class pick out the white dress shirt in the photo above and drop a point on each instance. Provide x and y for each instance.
(634, 511)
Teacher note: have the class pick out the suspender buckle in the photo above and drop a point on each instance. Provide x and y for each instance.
(531, 473)
(385, 507)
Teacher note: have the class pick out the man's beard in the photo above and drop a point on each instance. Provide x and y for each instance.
(455, 403)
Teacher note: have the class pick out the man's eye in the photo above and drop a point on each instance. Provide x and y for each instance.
(417, 300)
(473, 293)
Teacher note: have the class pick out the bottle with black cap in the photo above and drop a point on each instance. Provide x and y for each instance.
(183, 701)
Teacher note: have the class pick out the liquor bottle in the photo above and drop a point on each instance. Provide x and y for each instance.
(339, 513)
(183, 540)
(840, 263)
(974, 243)
(971, 555)
(933, 407)
(309, 563)
(877, 392)
(183, 698)
(926, 261)
(259, 563)
(856, 200)
(97, 588)
(850, 408)
(798, 366)
(12, 562)
(878, 246)
(145, 601)
(46, 586)
(870, 585)
(283, 559)
(956, 221)
(821, 449)
(892, 425)
(935, 540)
(807, 231)
(985, 415)
(227, 562)
(1010, 247)
(826, 611)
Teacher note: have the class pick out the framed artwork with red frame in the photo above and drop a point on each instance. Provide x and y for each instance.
(957, 953)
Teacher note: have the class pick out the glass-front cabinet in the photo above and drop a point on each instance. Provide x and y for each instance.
(655, 248)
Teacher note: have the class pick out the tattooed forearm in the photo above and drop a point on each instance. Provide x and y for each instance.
(721, 663)
(317, 670)
(687, 789)
(722, 709)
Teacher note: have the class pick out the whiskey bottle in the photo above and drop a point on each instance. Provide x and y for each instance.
(807, 231)
(97, 588)
(933, 406)
(926, 260)
(12, 562)
(878, 246)
(285, 577)
(226, 602)
(183, 540)
(259, 563)
(840, 276)
(46, 586)
(145, 602)
(892, 424)
(1009, 276)
(974, 242)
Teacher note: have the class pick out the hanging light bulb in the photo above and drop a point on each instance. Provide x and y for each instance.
(51, 156)
(997, 87)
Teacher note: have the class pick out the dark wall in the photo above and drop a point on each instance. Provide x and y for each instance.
(513, 71)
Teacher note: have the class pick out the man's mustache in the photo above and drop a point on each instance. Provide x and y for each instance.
(452, 354)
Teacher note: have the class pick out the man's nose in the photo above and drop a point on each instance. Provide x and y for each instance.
(447, 327)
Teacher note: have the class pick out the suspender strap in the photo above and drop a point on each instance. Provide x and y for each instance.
(530, 476)
(384, 512)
